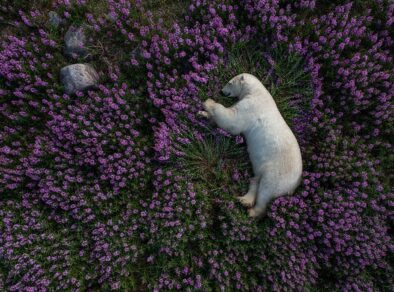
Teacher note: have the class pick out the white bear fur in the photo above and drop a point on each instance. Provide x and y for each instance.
(272, 146)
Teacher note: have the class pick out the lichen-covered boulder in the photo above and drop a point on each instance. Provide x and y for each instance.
(75, 42)
(78, 77)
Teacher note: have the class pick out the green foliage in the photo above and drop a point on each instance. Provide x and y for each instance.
(167, 10)
(213, 160)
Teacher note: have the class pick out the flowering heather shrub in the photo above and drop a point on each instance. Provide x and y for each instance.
(93, 142)
(124, 187)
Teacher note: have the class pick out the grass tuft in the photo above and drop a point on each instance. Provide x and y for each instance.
(212, 163)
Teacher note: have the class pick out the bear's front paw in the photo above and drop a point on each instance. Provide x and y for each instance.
(209, 104)
(203, 114)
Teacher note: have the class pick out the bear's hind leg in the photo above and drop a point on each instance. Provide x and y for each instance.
(264, 196)
(249, 199)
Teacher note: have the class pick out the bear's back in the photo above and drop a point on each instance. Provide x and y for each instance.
(272, 146)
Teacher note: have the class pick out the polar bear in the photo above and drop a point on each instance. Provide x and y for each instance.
(272, 146)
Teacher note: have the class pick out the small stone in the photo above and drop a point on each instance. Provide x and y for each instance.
(54, 19)
(112, 16)
(75, 42)
(78, 77)
(136, 52)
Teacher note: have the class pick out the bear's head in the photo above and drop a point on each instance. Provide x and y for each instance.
(240, 85)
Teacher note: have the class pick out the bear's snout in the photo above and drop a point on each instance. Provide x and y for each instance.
(224, 93)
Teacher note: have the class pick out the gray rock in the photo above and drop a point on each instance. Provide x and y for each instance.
(54, 19)
(136, 52)
(75, 42)
(78, 77)
(112, 16)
